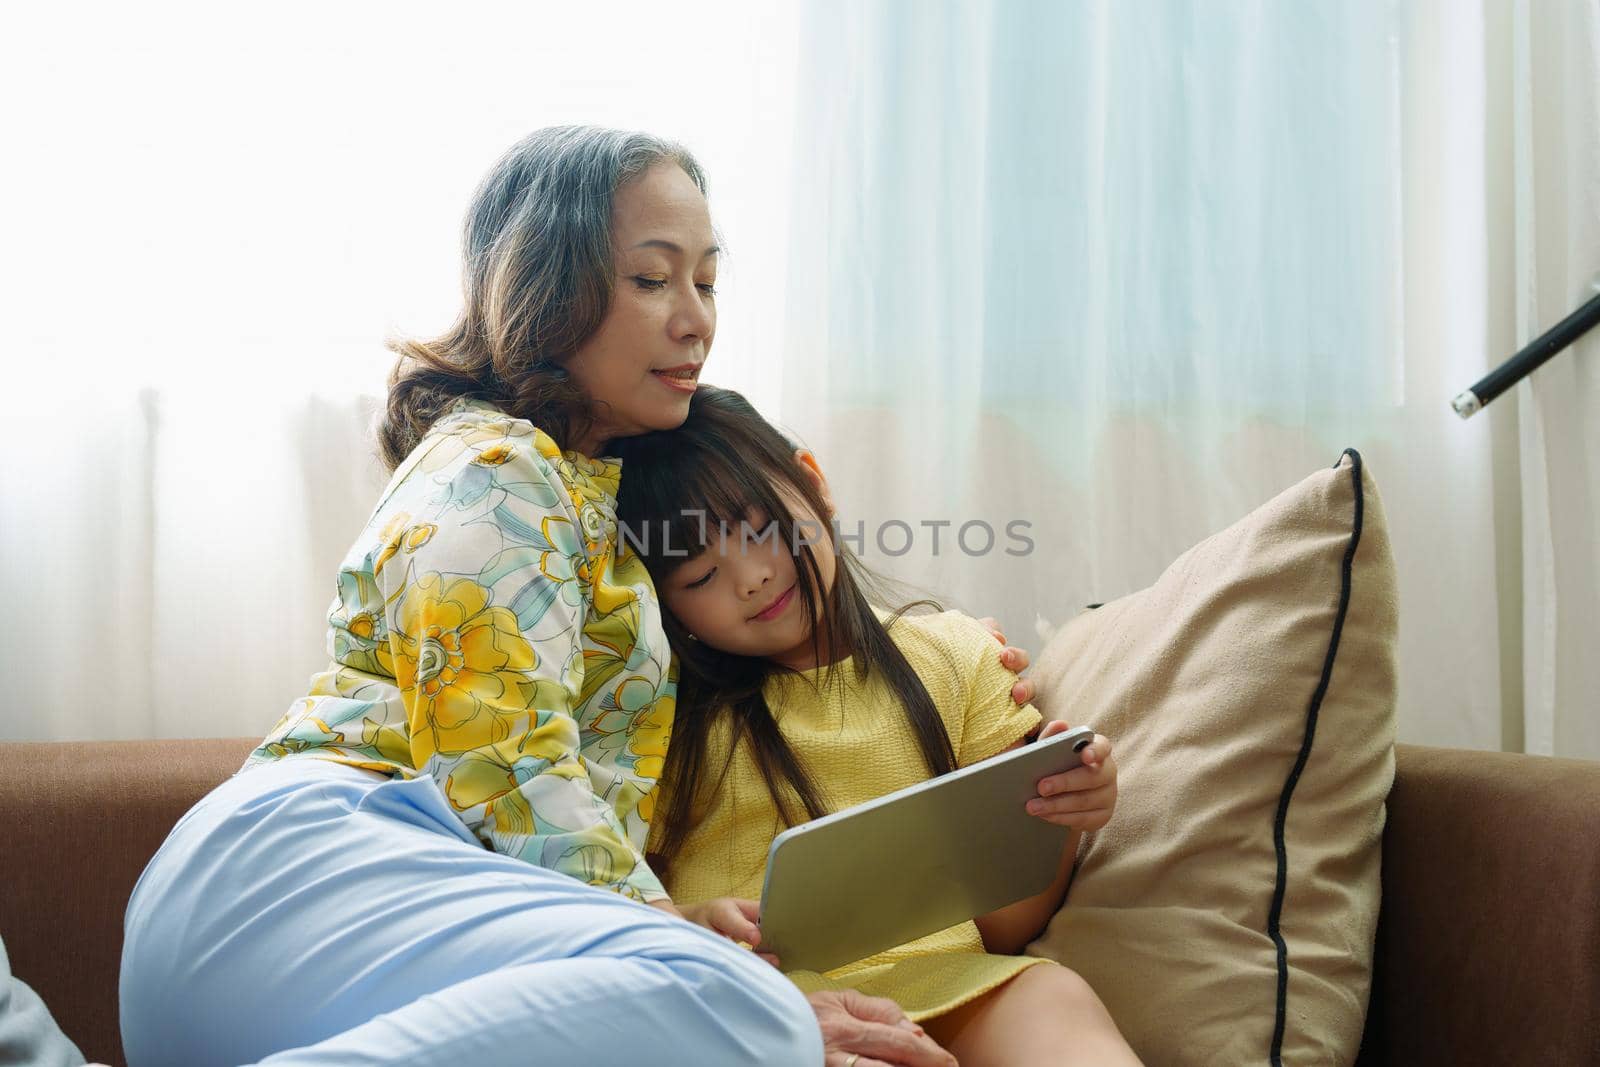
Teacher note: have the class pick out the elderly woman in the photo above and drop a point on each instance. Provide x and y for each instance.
(436, 855)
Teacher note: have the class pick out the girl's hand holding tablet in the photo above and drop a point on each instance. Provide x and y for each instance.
(735, 919)
(1082, 798)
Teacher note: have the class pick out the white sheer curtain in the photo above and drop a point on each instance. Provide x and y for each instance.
(1125, 270)
(1122, 270)
(211, 221)
(1546, 123)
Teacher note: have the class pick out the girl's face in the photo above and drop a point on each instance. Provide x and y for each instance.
(742, 595)
(641, 366)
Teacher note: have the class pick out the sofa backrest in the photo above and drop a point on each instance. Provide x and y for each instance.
(1491, 873)
(82, 820)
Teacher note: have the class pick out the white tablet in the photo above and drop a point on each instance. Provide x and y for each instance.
(921, 859)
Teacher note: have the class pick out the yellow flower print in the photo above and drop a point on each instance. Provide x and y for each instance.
(360, 636)
(493, 774)
(447, 645)
(389, 538)
(596, 514)
(454, 439)
(307, 733)
(610, 597)
(601, 859)
(593, 521)
(649, 735)
(546, 446)
(592, 485)
(348, 684)
(648, 738)
(390, 742)
(300, 707)
(495, 454)
(625, 702)
(459, 665)
(396, 534)
(561, 561)
(419, 535)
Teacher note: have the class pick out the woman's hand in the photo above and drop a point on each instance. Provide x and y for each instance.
(734, 918)
(1083, 797)
(873, 1030)
(1012, 659)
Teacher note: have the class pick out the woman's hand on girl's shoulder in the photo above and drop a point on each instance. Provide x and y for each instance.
(1012, 659)
(735, 918)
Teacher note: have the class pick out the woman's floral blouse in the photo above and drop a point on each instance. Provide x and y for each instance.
(488, 631)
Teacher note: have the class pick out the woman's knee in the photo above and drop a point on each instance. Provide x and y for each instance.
(767, 1014)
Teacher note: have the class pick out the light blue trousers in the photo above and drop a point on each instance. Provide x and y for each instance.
(307, 913)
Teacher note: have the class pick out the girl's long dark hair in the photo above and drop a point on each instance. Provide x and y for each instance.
(721, 465)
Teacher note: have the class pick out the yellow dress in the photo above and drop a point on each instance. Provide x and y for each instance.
(857, 744)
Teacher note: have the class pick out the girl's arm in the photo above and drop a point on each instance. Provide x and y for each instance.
(1008, 930)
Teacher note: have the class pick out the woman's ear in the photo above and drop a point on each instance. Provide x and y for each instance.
(809, 467)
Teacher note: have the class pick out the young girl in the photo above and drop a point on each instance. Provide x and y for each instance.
(797, 696)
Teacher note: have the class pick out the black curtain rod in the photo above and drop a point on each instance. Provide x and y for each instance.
(1523, 363)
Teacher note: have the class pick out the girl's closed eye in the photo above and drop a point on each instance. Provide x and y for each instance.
(702, 580)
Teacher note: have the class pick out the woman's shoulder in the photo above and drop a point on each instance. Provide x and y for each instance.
(472, 432)
(474, 421)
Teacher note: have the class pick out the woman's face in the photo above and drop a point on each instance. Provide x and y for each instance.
(641, 366)
(741, 594)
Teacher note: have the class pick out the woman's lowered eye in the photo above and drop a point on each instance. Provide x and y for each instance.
(651, 285)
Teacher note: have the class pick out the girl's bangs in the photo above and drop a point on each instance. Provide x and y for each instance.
(706, 492)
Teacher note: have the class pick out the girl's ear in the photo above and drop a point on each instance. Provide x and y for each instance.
(809, 467)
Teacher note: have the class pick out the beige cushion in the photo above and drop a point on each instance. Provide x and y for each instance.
(1227, 913)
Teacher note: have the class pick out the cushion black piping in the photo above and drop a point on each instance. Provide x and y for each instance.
(1300, 763)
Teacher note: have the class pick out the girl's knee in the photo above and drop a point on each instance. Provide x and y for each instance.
(1057, 986)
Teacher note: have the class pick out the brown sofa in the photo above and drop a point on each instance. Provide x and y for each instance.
(1488, 946)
